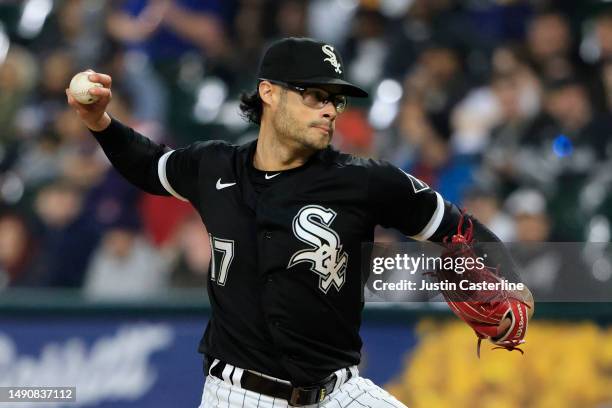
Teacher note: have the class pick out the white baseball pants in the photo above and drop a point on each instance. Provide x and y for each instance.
(357, 392)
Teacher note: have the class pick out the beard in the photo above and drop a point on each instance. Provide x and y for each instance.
(289, 129)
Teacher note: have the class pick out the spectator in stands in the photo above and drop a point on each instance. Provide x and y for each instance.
(17, 78)
(560, 150)
(290, 18)
(567, 139)
(57, 70)
(17, 250)
(438, 166)
(39, 160)
(485, 205)
(125, 256)
(540, 265)
(424, 23)
(603, 63)
(110, 196)
(413, 126)
(78, 26)
(248, 35)
(517, 102)
(366, 48)
(190, 247)
(159, 36)
(511, 96)
(551, 46)
(555, 271)
(438, 80)
(528, 208)
(66, 238)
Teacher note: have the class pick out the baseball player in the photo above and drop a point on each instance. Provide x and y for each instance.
(286, 215)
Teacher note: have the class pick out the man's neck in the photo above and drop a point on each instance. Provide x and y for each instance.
(272, 154)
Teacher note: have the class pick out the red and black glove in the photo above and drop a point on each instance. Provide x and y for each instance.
(483, 310)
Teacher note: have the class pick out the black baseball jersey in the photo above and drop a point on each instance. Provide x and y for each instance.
(285, 280)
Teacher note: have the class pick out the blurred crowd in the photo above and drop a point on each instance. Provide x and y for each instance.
(501, 106)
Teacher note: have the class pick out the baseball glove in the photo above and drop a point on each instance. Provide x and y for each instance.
(482, 309)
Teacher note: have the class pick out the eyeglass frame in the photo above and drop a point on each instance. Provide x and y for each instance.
(302, 90)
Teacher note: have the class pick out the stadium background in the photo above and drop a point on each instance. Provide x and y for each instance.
(502, 106)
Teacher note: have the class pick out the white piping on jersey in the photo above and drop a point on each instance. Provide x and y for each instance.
(161, 171)
(433, 223)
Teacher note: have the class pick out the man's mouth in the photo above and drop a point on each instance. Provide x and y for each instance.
(325, 129)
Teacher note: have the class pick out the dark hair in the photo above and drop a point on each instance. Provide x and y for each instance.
(557, 84)
(251, 106)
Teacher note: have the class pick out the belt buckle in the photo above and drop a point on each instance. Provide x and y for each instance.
(307, 395)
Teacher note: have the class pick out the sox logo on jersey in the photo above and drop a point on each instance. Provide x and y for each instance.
(312, 226)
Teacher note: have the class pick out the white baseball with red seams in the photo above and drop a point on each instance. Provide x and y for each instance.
(80, 86)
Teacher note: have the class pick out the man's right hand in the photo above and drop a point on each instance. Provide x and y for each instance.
(94, 116)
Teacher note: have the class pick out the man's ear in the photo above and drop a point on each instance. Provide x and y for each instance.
(266, 92)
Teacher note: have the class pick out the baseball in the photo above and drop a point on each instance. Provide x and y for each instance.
(80, 86)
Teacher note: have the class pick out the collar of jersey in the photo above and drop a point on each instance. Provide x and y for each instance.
(250, 153)
(244, 171)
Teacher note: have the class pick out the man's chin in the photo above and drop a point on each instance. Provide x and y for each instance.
(321, 142)
(320, 146)
(315, 141)
(309, 145)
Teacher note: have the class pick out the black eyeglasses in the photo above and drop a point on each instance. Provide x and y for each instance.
(315, 98)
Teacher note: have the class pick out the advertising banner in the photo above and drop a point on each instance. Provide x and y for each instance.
(137, 362)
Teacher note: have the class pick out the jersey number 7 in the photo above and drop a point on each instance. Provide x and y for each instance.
(218, 273)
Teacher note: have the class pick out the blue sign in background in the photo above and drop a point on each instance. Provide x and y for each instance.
(176, 365)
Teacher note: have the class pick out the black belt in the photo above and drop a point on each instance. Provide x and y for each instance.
(297, 396)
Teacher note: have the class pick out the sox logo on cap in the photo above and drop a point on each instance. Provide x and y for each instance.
(329, 51)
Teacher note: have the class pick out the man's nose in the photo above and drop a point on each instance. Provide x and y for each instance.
(329, 111)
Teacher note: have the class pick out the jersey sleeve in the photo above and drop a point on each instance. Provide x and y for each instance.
(402, 201)
(180, 170)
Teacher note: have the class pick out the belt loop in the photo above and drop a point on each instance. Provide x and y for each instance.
(214, 363)
(227, 371)
(354, 371)
(237, 377)
(340, 378)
